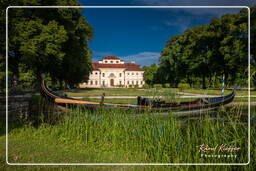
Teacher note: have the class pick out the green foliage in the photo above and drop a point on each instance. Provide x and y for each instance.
(253, 45)
(136, 86)
(158, 86)
(167, 85)
(146, 86)
(183, 86)
(208, 51)
(41, 52)
(48, 41)
(149, 139)
(149, 74)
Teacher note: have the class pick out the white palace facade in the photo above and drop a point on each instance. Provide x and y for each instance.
(112, 71)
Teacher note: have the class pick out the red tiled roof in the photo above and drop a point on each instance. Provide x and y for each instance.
(111, 57)
(128, 66)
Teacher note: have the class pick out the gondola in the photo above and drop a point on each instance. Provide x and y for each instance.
(142, 103)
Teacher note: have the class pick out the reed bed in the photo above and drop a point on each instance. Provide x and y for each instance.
(145, 137)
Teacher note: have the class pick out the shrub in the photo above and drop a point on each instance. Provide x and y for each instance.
(183, 86)
(167, 85)
(146, 86)
(158, 86)
(130, 86)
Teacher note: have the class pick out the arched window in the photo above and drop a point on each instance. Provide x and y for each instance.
(112, 75)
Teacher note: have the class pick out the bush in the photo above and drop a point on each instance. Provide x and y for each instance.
(146, 86)
(130, 86)
(183, 86)
(167, 85)
(158, 86)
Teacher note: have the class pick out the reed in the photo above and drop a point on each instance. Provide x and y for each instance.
(146, 137)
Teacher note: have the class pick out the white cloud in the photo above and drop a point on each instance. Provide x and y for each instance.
(143, 58)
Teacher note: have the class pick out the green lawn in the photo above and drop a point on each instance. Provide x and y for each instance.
(147, 92)
(134, 101)
(216, 92)
(86, 92)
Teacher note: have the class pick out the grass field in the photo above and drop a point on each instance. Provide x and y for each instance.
(86, 92)
(134, 101)
(118, 136)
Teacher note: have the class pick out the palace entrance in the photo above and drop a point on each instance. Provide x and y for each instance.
(111, 82)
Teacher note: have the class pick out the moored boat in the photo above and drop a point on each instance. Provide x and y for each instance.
(142, 103)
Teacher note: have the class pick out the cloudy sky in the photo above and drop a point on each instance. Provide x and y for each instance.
(140, 34)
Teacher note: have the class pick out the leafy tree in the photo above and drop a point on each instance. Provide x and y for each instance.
(207, 52)
(48, 41)
(253, 44)
(149, 74)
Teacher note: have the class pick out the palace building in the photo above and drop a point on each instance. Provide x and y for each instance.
(112, 71)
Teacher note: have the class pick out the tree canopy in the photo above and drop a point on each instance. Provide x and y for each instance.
(202, 54)
(50, 41)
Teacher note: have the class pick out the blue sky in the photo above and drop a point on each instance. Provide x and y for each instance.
(140, 34)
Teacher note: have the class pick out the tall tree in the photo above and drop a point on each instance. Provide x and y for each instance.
(49, 41)
(253, 44)
(208, 51)
(149, 74)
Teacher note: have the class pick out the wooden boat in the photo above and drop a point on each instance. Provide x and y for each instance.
(142, 103)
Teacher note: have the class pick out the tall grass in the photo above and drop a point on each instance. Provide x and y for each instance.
(147, 137)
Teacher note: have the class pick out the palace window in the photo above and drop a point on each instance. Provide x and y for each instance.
(96, 82)
(111, 62)
(132, 82)
(117, 62)
(141, 82)
(96, 73)
(120, 82)
(137, 73)
(91, 82)
(103, 74)
(137, 82)
(128, 73)
(120, 74)
(103, 82)
(106, 61)
(132, 73)
(128, 82)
